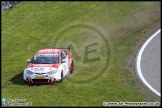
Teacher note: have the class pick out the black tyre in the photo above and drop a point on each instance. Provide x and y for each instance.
(72, 67)
(62, 78)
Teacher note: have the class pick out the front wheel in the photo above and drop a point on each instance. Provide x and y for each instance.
(62, 78)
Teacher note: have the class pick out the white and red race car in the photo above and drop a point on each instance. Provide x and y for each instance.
(49, 66)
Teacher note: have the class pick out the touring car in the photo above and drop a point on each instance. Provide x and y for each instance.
(49, 66)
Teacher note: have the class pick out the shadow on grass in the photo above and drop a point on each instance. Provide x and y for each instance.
(18, 79)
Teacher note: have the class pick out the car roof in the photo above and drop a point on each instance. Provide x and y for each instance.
(49, 51)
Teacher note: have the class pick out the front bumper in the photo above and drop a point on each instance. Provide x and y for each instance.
(42, 78)
(41, 81)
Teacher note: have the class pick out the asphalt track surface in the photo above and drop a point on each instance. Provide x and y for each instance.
(149, 63)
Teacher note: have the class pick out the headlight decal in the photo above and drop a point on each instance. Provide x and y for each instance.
(29, 72)
(52, 72)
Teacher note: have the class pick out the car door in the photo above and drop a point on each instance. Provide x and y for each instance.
(64, 59)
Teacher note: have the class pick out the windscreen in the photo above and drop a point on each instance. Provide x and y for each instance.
(45, 59)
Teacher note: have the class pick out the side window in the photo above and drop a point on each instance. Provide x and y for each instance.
(63, 54)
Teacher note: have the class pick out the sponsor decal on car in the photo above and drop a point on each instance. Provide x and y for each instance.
(46, 55)
(38, 69)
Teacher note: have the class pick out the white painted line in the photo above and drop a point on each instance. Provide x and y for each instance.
(139, 63)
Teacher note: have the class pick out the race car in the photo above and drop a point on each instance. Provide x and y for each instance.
(49, 66)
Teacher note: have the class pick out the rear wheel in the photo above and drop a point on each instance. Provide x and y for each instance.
(72, 67)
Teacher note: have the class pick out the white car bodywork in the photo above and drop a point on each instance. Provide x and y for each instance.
(46, 71)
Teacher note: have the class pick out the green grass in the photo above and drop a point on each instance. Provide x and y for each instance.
(32, 25)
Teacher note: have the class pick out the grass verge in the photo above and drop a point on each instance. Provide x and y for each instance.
(32, 25)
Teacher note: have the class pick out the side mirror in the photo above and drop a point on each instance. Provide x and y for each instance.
(28, 60)
(63, 61)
